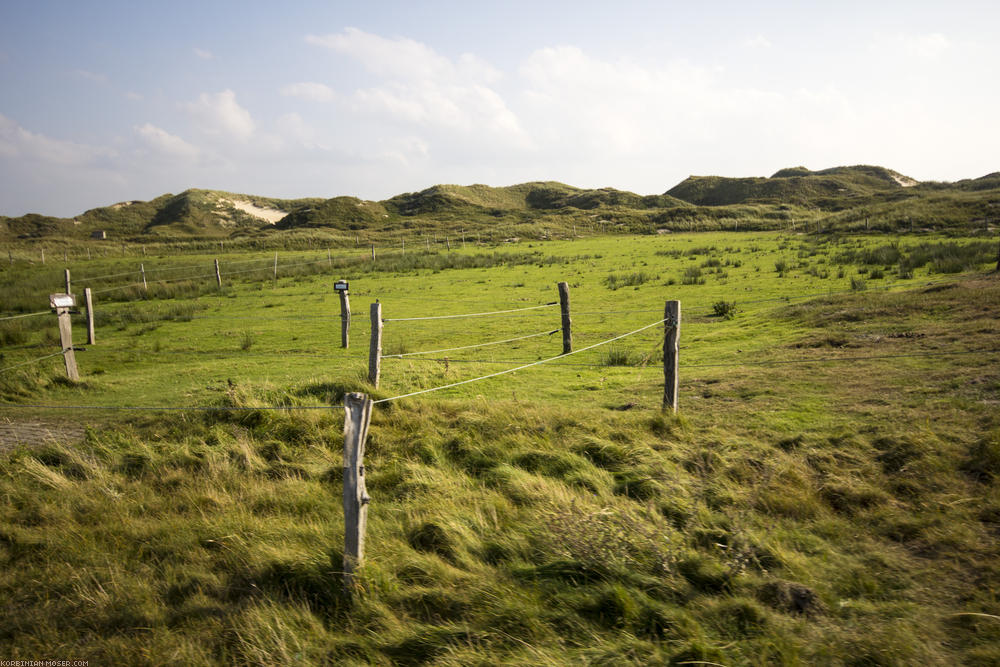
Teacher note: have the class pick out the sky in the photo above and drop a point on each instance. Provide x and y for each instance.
(102, 102)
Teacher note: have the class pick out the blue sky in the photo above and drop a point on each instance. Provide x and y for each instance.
(109, 101)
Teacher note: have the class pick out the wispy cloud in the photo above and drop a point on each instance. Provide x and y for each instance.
(203, 54)
(95, 77)
(309, 90)
(18, 142)
(165, 143)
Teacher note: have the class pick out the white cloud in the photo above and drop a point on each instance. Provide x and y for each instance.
(309, 90)
(162, 141)
(134, 96)
(203, 54)
(902, 46)
(220, 115)
(758, 41)
(17, 142)
(453, 99)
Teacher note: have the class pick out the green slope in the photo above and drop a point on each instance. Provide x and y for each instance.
(829, 188)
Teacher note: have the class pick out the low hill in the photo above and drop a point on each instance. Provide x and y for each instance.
(828, 188)
(794, 197)
(340, 212)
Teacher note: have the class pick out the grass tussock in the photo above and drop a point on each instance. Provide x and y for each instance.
(560, 537)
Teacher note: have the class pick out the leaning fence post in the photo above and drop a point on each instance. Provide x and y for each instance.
(61, 304)
(375, 349)
(357, 417)
(671, 335)
(88, 297)
(567, 334)
(218, 274)
(142, 271)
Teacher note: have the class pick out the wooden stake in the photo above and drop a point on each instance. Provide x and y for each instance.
(566, 323)
(43, 255)
(276, 267)
(88, 253)
(218, 274)
(143, 251)
(671, 335)
(345, 318)
(373, 252)
(66, 340)
(357, 418)
(142, 270)
(65, 259)
(375, 348)
(89, 298)
(449, 244)
(68, 290)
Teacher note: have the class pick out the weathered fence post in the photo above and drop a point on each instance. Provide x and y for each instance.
(89, 298)
(375, 348)
(276, 267)
(567, 334)
(218, 274)
(142, 271)
(403, 243)
(357, 417)
(43, 255)
(62, 303)
(447, 239)
(345, 318)
(88, 254)
(373, 252)
(671, 335)
(68, 290)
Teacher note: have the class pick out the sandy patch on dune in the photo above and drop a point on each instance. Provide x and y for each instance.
(271, 215)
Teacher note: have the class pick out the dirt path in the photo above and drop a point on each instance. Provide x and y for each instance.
(35, 432)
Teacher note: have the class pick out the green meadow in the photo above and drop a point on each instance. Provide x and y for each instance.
(827, 494)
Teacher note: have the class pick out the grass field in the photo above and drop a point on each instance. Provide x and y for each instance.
(827, 495)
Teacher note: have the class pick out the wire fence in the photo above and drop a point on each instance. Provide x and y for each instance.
(519, 364)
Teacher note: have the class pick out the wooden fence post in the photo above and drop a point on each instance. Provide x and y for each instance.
(142, 271)
(218, 274)
(671, 335)
(403, 243)
(375, 348)
(373, 252)
(567, 334)
(68, 290)
(89, 298)
(357, 417)
(276, 267)
(345, 318)
(66, 341)
(447, 239)
(43, 255)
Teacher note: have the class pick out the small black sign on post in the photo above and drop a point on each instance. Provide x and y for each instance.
(345, 312)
